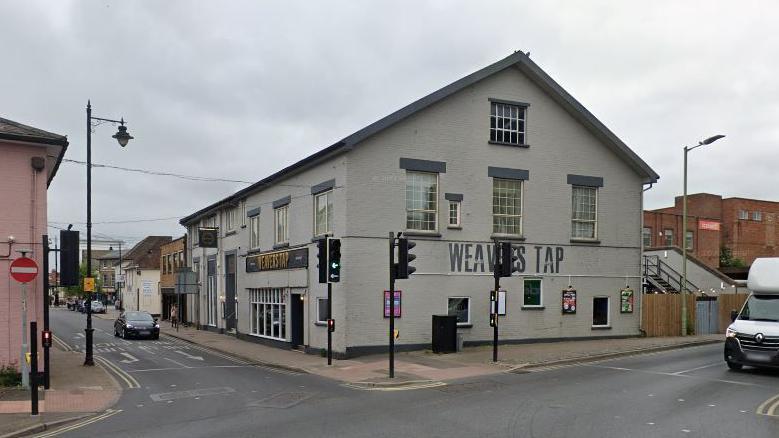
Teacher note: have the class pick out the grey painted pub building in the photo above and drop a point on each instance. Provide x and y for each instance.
(502, 153)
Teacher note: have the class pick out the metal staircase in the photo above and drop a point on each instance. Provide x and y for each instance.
(662, 278)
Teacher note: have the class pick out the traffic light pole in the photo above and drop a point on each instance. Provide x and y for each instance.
(46, 250)
(329, 317)
(392, 305)
(496, 272)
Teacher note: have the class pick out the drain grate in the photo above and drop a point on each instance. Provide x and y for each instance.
(283, 400)
(165, 396)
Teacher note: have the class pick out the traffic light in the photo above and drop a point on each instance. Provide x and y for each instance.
(69, 258)
(507, 259)
(321, 255)
(46, 338)
(405, 258)
(331, 325)
(334, 260)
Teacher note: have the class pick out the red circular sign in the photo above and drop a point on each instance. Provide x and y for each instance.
(24, 269)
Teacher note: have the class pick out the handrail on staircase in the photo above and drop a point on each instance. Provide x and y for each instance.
(653, 266)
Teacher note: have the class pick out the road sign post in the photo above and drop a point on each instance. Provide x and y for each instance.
(24, 270)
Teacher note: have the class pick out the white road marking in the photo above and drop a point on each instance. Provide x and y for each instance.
(189, 356)
(660, 373)
(79, 335)
(130, 358)
(108, 413)
(187, 367)
(178, 363)
(718, 363)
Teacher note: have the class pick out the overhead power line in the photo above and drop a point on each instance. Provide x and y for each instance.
(154, 172)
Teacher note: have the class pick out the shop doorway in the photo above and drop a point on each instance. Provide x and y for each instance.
(230, 292)
(296, 320)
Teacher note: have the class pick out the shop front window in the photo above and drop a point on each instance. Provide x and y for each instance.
(268, 313)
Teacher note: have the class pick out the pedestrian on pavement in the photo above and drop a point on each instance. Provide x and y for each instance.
(173, 317)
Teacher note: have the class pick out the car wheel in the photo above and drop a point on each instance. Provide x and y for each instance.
(734, 366)
(124, 334)
(116, 333)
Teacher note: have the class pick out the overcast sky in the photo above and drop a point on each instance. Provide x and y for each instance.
(241, 89)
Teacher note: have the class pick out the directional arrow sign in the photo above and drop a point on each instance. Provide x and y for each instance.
(189, 356)
(130, 358)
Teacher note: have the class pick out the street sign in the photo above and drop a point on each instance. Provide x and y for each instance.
(24, 269)
(89, 284)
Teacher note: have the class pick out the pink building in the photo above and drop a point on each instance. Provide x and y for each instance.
(29, 158)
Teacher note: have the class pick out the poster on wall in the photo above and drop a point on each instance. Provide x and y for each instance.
(569, 301)
(626, 300)
(387, 303)
(147, 287)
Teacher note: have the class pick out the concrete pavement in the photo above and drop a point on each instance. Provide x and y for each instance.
(75, 391)
(413, 368)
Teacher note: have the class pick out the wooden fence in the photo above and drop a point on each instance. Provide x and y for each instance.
(662, 314)
(726, 304)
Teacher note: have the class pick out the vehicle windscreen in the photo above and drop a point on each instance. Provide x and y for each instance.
(138, 316)
(761, 308)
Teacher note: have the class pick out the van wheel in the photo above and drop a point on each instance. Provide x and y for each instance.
(734, 366)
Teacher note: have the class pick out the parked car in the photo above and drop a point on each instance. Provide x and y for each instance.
(81, 306)
(136, 324)
(98, 307)
(71, 303)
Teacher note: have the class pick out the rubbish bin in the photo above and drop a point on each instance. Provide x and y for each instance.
(444, 334)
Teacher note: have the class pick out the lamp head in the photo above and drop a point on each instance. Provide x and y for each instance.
(712, 139)
(121, 135)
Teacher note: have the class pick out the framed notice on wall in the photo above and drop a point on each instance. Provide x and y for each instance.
(569, 301)
(626, 300)
(387, 303)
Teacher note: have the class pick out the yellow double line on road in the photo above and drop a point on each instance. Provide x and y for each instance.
(769, 407)
(80, 424)
(109, 366)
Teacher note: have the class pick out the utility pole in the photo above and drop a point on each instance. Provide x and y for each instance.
(494, 304)
(46, 288)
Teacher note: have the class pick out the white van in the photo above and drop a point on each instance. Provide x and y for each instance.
(753, 338)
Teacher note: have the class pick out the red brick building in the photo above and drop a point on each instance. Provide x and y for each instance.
(747, 227)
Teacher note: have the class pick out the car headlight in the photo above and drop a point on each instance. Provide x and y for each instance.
(156, 326)
(730, 333)
(129, 326)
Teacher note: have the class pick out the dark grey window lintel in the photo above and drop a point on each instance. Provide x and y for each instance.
(282, 202)
(587, 181)
(423, 165)
(509, 102)
(506, 173)
(453, 196)
(253, 212)
(323, 187)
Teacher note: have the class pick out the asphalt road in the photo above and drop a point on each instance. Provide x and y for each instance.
(186, 391)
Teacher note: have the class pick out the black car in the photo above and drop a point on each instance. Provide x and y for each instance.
(134, 324)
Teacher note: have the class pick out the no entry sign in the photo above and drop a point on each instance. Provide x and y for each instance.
(24, 269)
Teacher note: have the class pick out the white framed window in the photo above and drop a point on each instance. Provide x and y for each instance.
(669, 236)
(507, 206)
(321, 310)
(646, 235)
(689, 239)
(254, 232)
(243, 213)
(269, 313)
(323, 213)
(532, 292)
(507, 123)
(461, 308)
(194, 232)
(421, 201)
(584, 218)
(211, 298)
(743, 215)
(280, 224)
(230, 218)
(757, 216)
(600, 312)
(454, 214)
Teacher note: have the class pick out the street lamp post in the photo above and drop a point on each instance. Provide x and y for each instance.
(683, 286)
(122, 137)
